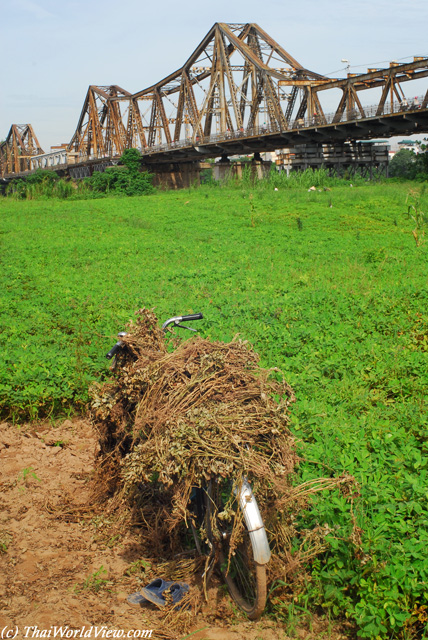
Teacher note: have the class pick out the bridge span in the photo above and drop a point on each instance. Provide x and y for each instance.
(239, 92)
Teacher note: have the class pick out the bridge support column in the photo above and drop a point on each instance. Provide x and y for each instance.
(224, 170)
(367, 159)
(174, 175)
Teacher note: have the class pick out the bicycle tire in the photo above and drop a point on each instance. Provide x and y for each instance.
(245, 578)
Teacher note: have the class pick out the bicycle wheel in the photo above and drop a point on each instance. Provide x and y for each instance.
(245, 578)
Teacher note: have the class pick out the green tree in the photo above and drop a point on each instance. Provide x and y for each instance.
(409, 165)
(422, 159)
(131, 158)
(403, 165)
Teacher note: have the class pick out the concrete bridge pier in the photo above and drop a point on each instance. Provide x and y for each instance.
(174, 175)
(224, 170)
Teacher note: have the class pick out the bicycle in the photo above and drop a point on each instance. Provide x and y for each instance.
(242, 562)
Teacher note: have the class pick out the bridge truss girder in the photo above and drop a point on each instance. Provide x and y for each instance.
(228, 84)
(101, 131)
(16, 151)
(389, 81)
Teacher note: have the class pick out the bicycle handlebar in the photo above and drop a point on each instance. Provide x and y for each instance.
(176, 320)
(117, 347)
(192, 316)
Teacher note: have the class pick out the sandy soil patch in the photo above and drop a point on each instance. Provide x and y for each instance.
(59, 572)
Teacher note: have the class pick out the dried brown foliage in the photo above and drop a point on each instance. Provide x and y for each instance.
(170, 421)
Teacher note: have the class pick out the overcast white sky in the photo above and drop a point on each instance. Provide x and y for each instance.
(53, 49)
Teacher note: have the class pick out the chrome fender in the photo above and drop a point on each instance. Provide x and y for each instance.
(254, 522)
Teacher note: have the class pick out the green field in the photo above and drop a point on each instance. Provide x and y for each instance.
(328, 285)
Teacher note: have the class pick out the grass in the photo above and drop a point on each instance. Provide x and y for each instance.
(28, 471)
(94, 582)
(5, 540)
(328, 285)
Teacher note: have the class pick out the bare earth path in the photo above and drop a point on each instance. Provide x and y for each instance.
(58, 570)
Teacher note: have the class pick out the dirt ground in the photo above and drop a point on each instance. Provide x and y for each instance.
(60, 574)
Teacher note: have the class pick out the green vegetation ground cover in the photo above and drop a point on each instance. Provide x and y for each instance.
(328, 285)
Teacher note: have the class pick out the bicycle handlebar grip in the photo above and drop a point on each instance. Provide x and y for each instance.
(192, 316)
(114, 350)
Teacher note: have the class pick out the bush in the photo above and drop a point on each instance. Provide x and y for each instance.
(40, 184)
(121, 182)
(126, 180)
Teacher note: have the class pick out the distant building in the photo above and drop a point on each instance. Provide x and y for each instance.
(411, 145)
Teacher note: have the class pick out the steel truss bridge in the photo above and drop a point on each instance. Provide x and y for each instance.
(239, 92)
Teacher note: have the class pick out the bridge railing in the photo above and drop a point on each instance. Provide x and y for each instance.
(47, 160)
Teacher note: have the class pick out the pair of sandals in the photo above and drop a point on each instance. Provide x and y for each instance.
(155, 593)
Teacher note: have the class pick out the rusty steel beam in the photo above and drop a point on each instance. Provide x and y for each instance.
(100, 130)
(388, 79)
(377, 77)
(17, 150)
(231, 96)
